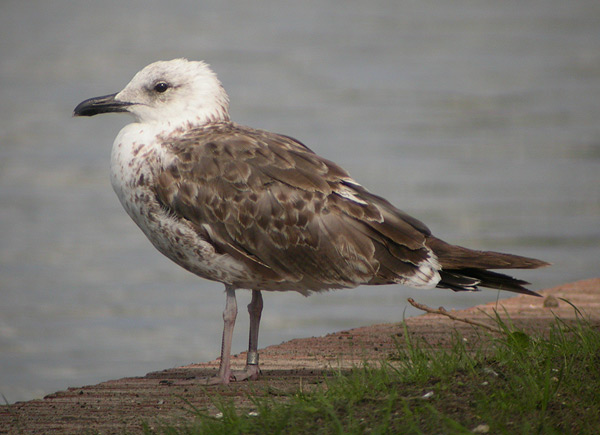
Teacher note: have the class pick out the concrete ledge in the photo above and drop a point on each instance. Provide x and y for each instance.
(122, 405)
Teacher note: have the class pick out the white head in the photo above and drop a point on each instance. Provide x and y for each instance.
(176, 92)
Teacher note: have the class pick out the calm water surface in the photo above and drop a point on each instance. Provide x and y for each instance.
(479, 118)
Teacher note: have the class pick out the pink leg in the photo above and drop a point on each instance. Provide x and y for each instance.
(229, 316)
(254, 309)
(251, 371)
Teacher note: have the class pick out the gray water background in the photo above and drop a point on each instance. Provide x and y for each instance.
(481, 118)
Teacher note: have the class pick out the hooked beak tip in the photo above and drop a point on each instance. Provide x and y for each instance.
(97, 105)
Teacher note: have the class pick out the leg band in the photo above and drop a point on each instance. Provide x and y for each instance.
(252, 358)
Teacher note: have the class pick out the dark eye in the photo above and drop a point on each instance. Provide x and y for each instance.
(161, 87)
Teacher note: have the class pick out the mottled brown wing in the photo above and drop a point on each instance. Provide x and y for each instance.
(288, 214)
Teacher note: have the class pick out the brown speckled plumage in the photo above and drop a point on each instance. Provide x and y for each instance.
(261, 211)
(274, 205)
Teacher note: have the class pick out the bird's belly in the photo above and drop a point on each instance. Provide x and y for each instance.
(176, 239)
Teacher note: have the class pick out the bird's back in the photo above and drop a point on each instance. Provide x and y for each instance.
(296, 220)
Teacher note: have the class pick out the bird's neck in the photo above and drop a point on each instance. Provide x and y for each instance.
(174, 127)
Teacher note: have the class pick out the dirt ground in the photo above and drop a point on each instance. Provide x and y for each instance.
(121, 406)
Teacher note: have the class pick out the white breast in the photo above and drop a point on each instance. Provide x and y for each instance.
(136, 160)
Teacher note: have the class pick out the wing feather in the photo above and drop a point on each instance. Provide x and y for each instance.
(288, 214)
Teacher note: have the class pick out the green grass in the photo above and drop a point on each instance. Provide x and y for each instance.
(517, 384)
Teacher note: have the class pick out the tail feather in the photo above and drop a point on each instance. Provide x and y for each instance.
(454, 280)
(457, 257)
(465, 269)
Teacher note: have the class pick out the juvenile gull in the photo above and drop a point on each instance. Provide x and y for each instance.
(260, 211)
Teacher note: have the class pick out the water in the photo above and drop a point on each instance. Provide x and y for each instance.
(480, 118)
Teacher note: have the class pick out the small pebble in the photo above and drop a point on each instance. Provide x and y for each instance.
(482, 428)
(490, 371)
(550, 302)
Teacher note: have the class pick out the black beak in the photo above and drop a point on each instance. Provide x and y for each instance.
(104, 104)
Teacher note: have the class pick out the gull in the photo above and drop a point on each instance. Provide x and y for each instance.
(260, 211)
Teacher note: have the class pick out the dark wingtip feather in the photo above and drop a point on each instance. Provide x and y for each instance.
(468, 279)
